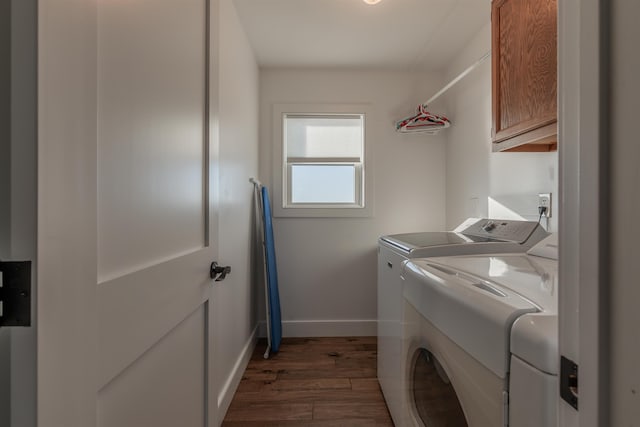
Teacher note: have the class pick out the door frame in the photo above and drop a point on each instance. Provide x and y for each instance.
(19, 195)
(583, 228)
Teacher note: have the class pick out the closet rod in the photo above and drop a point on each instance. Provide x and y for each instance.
(458, 78)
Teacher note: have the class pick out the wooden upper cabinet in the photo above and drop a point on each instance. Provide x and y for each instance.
(524, 75)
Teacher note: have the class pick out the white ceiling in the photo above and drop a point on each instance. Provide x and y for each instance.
(394, 34)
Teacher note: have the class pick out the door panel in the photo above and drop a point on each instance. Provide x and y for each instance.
(151, 171)
(158, 389)
(138, 309)
(151, 100)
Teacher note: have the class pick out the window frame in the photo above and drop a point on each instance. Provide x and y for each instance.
(358, 183)
(282, 178)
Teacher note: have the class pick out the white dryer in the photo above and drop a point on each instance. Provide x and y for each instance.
(481, 340)
(474, 236)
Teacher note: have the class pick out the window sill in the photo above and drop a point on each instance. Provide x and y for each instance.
(307, 212)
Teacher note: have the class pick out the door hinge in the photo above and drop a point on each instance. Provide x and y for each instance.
(15, 293)
(569, 381)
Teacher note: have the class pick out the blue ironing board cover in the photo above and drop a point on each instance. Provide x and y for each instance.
(272, 274)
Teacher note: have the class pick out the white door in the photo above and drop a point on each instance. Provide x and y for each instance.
(126, 220)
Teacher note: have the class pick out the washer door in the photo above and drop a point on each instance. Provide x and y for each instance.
(435, 401)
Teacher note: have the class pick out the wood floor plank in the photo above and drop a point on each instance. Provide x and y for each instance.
(258, 374)
(271, 412)
(250, 386)
(342, 411)
(354, 422)
(365, 384)
(312, 384)
(357, 364)
(343, 372)
(357, 354)
(315, 382)
(306, 341)
(309, 396)
(280, 364)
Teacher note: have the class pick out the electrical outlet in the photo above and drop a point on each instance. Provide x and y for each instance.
(544, 200)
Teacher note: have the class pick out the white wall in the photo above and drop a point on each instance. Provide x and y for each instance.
(479, 182)
(625, 199)
(327, 266)
(235, 297)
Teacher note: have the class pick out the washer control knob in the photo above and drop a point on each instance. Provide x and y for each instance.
(490, 225)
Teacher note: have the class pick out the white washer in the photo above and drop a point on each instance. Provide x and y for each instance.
(481, 339)
(474, 236)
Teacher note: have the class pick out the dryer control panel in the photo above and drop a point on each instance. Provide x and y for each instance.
(505, 230)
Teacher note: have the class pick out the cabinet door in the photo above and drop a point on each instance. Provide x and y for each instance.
(524, 95)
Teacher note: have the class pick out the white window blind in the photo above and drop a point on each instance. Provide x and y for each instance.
(324, 136)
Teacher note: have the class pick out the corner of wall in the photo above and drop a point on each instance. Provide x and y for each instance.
(469, 138)
(228, 389)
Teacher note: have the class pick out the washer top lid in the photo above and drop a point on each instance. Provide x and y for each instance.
(474, 313)
(534, 278)
(472, 236)
(412, 241)
(534, 336)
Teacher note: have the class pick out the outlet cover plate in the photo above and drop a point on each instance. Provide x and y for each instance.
(544, 199)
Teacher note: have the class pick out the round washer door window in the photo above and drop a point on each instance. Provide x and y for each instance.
(436, 402)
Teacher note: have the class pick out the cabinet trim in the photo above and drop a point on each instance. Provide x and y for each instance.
(541, 139)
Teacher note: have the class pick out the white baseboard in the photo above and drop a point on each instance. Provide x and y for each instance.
(228, 390)
(325, 328)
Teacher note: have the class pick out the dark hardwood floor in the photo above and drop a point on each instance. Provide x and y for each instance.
(311, 382)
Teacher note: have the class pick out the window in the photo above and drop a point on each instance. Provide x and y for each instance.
(321, 159)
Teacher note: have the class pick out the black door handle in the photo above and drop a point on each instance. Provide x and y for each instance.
(219, 272)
